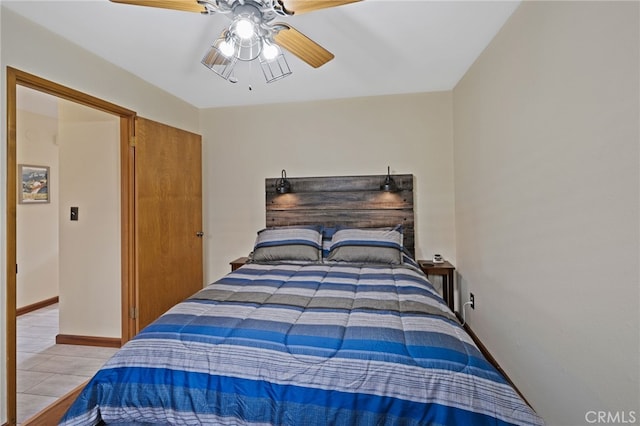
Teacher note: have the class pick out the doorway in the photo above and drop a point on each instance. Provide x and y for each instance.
(126, 123)
(68, 155)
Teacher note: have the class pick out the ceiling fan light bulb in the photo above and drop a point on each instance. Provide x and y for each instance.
(244, 28)
(270, 51)
(226, 48)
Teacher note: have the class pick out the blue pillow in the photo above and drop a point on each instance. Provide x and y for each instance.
(367, 245)
(327, 236)
(288, 243)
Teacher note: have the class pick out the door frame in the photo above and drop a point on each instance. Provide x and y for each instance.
(16, 78)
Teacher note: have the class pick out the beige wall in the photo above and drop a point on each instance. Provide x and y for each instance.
(243, 146)
(547, 204)
(30, 48)
(37, 224)
(546, 184)
(33, 49)
(90, 259)
(81, 147)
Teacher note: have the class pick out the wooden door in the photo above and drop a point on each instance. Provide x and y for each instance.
(168, 192)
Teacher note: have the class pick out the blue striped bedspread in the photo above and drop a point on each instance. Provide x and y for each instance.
(312, 344)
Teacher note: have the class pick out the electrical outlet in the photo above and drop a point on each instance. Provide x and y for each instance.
(472, 299)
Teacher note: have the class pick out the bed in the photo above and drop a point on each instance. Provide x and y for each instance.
(328, 324)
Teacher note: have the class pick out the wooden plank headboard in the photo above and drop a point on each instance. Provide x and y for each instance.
(355, 201)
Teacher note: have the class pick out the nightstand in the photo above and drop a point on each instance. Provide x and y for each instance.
(235, 264)
(445, 270)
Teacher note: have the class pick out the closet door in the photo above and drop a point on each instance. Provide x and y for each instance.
(168, 199)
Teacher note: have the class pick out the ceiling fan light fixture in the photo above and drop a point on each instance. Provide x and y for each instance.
(247, 46)
(227, 48)
(269, 50)
(275, 69)
(243, 28)
(219, 62)
(252, 30)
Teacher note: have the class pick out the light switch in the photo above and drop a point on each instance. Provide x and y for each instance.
(74, 213)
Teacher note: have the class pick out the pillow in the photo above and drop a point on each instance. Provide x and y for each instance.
(373, 245)
(299, 243)
(327, 236)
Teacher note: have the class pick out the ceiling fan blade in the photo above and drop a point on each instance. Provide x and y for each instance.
(302, 46)
(304, 6)
(184, 5)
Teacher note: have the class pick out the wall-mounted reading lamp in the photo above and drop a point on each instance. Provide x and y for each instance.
(389, 185)
(283, 186)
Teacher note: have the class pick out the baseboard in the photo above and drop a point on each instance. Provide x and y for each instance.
(107, 342)
(491, 359)
(52, 414)
(36, 306)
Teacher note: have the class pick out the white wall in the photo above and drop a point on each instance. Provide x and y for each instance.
(30, 48)
(37, 224)
(90, 258)
(243, 146)
(546, 135)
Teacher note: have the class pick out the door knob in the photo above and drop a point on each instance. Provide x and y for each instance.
(199, 234)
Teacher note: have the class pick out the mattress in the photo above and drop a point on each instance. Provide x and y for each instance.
(304, 344)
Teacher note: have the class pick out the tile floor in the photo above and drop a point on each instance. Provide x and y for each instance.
(46, 370)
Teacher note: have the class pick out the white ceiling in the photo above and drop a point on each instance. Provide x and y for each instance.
(381, 47)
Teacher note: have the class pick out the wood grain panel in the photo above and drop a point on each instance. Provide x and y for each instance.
(37, 305)
(363, 200)
(370, 183)
(355, 201)
(105, 342)
(362, 218)
(305, 6)
(169, 217)
(302, 46)
(183, 5)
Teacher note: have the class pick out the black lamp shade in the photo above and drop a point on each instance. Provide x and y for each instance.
(283, 186)
(389, 185)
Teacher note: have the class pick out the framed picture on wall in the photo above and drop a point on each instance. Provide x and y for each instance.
(34, 184)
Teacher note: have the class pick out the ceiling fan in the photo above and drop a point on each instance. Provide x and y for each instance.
(252, 33)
